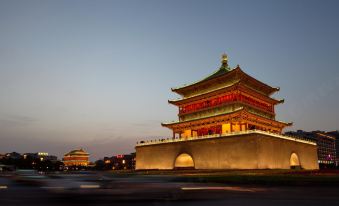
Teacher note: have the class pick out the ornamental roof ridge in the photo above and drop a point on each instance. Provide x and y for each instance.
(235, 83)
(241, 110)
(224, 68)
(217, 73)
(287, 123)
(214, 115)
(230, 85)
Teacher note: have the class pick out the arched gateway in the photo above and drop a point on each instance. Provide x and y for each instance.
(184, 160)
(294, 161)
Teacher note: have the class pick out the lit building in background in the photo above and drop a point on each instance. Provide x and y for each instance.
(326, 148)
(13, 155)
(326, 145)
(336, 135)
(41, 161)
(120, 162)
(76, 158)
(42, 156)
(226, 121)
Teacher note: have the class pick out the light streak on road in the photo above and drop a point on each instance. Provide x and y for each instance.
(89, 186)
(237, 189)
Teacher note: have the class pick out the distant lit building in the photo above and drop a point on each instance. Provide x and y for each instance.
(326, 147)
(13, 155)
(41, 161)
(336, 135)
(120, 162)
(42, 156)
(76, 158)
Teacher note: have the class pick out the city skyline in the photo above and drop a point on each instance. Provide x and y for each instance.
(80, 74)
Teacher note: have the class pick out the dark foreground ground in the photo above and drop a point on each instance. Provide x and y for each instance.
(271, 187)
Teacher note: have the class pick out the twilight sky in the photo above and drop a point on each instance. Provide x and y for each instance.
(97, 74)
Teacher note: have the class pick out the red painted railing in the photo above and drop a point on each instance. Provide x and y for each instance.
(225, 99)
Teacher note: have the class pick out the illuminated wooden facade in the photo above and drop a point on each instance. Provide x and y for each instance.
(228, 100)
(76, 158)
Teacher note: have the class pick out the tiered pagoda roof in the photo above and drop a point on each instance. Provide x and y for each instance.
(77, 152)
(240, 84)
(237, 74)
(238, 114)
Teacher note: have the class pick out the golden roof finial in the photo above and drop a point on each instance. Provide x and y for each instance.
(224, 59)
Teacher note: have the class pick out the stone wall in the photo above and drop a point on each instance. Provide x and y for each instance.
(246, 151)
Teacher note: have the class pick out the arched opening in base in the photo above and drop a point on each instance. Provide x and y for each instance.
(294, 161)
(184, 161)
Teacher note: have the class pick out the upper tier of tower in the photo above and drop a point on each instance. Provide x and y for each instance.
(222, 78)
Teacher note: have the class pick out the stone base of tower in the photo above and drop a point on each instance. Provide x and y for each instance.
(255, 150)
